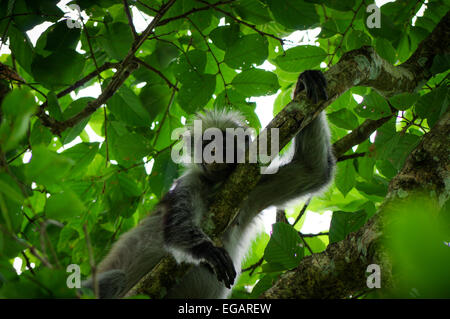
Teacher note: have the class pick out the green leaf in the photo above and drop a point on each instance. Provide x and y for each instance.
(294, 14)
(316, 244)
(365, 167)
(128, 185)
(345, 176)
(82, 154)
(374, 107)
(246, 51)
(47, 167)
(196, 91)
(263, 284)
(131, 147)
(74, 108)
(432, 105)
(256, 82)
(328, 29)
(127, 107)
(10, 189)
(252, 10)
(385, 49)
(194, 61)
(301, 58)
(404, 101)
(164, 172)
(339, 4)
(17, 107)
(392, 146)
(54, 109)
(116, 39)
(343, 118)
(386, 168)
(21, 45)
(356, 39)
(155, 99)
(344, 223)
(62, 67)
(388, 29)
(40, 134)
(373, 188)
(441, 63)
(64, 206)
(59, 37)
(225, 36)
(285, 246)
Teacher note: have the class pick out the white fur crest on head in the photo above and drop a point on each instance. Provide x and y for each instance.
(219, 118)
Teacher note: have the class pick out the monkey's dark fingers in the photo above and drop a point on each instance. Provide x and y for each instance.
(223, 266)
(228, 266)
(218, 259)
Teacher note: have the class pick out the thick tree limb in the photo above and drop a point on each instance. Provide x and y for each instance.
(359, 67)
(340, 271)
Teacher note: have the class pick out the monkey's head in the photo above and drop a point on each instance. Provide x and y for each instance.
(218, 141)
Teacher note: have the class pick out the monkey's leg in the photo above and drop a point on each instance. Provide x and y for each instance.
(131, 257)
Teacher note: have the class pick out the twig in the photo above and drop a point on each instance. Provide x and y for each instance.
(91, 261)
(130, 19)
(315, 235)
(306, 244)
(194, 10)
(251, 26)
(219, 71)
(358, 135)
(79, 83)
(302, 212)
(32, 249)
(351, 156)
(148, 66)
(106, 136)
(253, 267)
(166, 114)
(27, 262)
(344, 33)
(18, 155)
(45, 238)
(147, 6)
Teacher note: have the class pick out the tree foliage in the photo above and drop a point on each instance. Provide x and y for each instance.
(70, 202)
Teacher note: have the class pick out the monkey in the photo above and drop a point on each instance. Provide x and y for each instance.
(174, 226)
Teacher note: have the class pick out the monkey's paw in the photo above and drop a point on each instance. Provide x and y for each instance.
(314, 83)
(219, 260)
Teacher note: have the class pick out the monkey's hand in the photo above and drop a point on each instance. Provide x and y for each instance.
(314, 83)
(218, 259)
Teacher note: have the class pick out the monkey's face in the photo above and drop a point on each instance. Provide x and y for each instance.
(217, 171)
(221, 157)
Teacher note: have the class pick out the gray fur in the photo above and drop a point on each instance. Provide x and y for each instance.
(175, 225)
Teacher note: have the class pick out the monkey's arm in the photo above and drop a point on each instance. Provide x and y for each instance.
(312, 164)
(184, 237)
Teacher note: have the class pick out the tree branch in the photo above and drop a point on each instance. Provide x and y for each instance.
(124, 69)
(130, 19)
